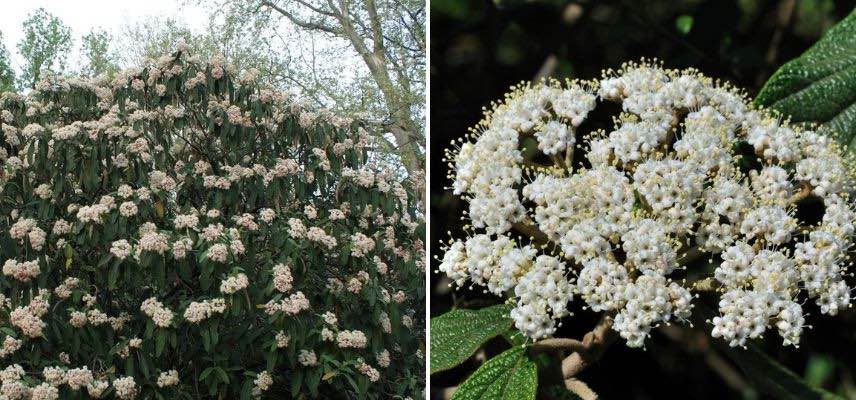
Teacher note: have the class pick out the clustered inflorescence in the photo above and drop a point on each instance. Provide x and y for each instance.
(184, 217)
(619, 219)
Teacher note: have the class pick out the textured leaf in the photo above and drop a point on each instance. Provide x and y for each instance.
(820, 85)
(508, 376)
(456, 335)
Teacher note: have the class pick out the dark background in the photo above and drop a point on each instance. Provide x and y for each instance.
(480, 48)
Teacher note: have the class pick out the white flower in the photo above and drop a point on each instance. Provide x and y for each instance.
(691, 171)
(234, 283)
(126, 388)
(307, 358)
(168, 378)
(121, 249)
(128, 209)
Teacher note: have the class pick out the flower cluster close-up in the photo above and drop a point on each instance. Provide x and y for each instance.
(184, 231)
(694, 190)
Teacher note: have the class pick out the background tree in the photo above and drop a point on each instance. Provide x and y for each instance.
(97, 54)
(151, 37)
(376, 78)
(7, 75)
(387, 36)
(46, 44)
(243, 48)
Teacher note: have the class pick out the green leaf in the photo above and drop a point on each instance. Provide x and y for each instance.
(508, 376)
(765, 373)
(144, 366)
(818, 369)
(160, 342)
(456, 335)
(224, 377)
(113, 274)
(296, 382)
(771, 377)
(820, 85)
(684, 24)
(205, 373)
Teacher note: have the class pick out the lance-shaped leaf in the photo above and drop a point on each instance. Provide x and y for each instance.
(765, 373)
(773, 378)
(820, 85)
(456, 335)
(508, 376)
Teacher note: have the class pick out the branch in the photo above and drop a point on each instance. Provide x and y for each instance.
(377, 33)
(690, 255)
(301, 23)
(417, 33)
(314, 8)
(580, 389)
(801, 195)
(594, 343)
(584, 353)
(531, 231)
(559, 344)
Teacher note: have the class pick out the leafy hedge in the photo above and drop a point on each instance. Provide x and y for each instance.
(185, 232)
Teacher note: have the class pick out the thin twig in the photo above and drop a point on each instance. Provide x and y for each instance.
(785, 18)
(801, 195)
(690, 255)
(531, 231)
(700, 345)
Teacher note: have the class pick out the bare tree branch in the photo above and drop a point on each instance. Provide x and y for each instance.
(301, 23)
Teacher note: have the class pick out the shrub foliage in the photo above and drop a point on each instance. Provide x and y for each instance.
(186, 232)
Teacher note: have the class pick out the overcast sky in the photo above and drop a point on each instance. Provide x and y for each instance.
(83, 15)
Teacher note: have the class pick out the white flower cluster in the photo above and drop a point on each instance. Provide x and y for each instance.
(121, 249)
(27, 228)
(290, 305)
(282, 339)
(198, 311)
(262, 383)
(10, 345)
(126, 388)
(29, 318)
(317, 234)
(282, 278)
(371, 372)
(168, 378)
(307, 358)
(383, 358)
(353, 339)
(691, 171)
(234, 283)
(21, 271)
(155, 242)
(161, 315)
(361, 244)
